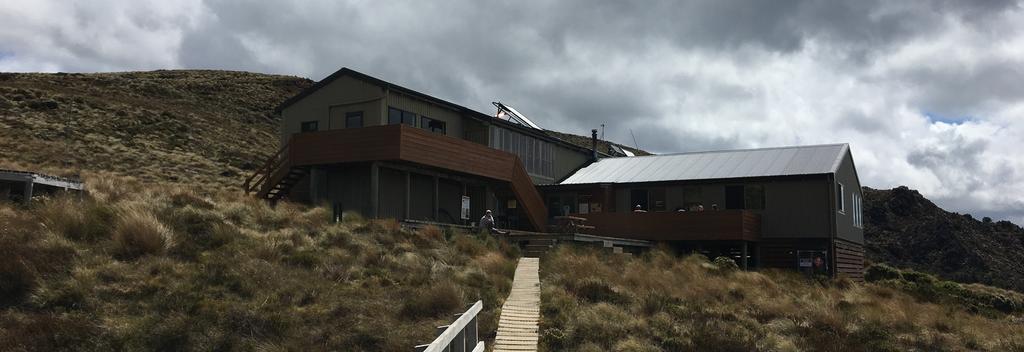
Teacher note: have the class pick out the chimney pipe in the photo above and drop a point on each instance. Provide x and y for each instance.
(593, 144)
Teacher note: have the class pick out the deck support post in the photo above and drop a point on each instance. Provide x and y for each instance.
(437, 205)
(28, 191)
(374, 190)
(408, 193)
(745, 256)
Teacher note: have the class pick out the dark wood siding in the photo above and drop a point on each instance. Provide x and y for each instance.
(849, 259)
(677, 226)
(781, 252)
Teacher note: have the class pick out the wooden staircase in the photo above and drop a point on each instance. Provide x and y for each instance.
(536, 248)
(275, 179)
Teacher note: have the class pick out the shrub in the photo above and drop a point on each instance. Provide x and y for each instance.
(430, 233)
(593, 289)
(26, 257)
(878, 272)
(80, 220)
(140, 233)
(198, 230)
(725, 265)
(440, 298)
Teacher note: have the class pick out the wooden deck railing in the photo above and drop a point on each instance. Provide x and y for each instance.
(459, 336)
(677, 226)
(264, 175)
(415, 145)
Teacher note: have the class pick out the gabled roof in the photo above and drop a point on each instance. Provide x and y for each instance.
(345, 71)
(724, 164)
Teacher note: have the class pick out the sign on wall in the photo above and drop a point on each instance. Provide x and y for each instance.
(465, 207)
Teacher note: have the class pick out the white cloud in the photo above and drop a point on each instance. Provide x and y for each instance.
(696, 75)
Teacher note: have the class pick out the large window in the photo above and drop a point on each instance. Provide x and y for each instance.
(692, 197)
(638, 197)
(397, 116)
(537, 155)
(309, 126)
(841, 198)
(354, 119)
(432, 125)
(750, 197)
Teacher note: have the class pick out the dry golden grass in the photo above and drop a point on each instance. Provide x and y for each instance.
(140, 233)
(142, 266)
(659, 302)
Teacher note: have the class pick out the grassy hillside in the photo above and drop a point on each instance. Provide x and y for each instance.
(192, 127)
(596, 301)
(140, 267)
(164, 253)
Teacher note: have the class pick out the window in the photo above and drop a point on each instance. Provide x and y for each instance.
(436, 126)
(858, 216)
(354, 119)
(841, 198)
(537, 155)
(397, 116)
(658, 199)
(750, 197)
(733, 197)
(309, 126)
(753, 197)
(638, 197)
(692, 197)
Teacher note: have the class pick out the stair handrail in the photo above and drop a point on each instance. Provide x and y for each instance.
(269, 167)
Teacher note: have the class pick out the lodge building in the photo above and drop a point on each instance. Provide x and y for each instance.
(363, 145)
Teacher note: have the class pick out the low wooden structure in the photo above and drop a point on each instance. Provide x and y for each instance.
(23, 185)
(462, 335)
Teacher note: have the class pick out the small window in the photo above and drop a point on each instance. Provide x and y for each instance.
(309, 126)
(409, 118)
(397, 116)
(394, 116)
(354, 119)
(658, 200)
(436, 126)
(840, 198)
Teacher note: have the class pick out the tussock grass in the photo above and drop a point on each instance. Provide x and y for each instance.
(142, 266)
(594, 301)
(139, 233)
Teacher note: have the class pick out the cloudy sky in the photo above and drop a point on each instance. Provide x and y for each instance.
(930, 94)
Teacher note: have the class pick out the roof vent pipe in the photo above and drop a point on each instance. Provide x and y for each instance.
(593, 144)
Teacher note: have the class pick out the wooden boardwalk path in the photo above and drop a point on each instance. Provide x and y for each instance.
(517, 327)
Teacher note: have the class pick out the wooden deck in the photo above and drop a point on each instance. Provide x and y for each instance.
(517, 327)
(414, 145)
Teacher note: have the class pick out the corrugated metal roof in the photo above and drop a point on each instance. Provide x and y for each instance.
(784, 161)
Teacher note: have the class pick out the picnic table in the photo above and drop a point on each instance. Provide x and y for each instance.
(570, 224)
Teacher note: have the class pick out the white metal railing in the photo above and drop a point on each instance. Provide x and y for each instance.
(459, 336)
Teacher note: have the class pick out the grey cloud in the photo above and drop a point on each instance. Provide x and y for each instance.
(955, 162)
(549, 58)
